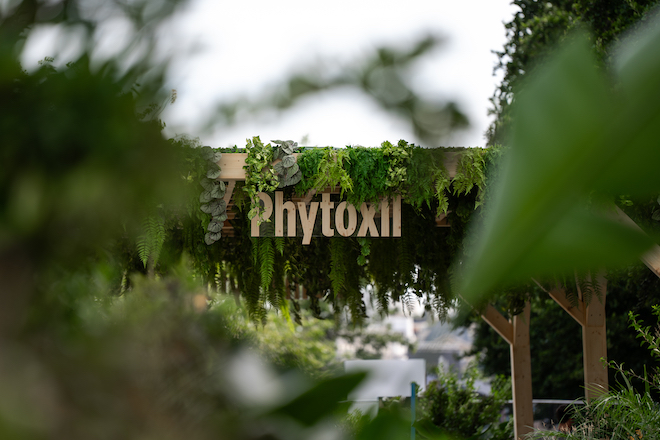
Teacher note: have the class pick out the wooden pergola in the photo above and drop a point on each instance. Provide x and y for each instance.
(515, 331)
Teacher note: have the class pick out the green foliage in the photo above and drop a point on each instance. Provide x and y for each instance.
(212, 198)
(626, 412)
(324, 168)
(538, 26)
(288, 171)
(260, 176)
(150, 243)
(456, 410)
(572, 138)
(469, 174)
(554, 334)
(338, 262)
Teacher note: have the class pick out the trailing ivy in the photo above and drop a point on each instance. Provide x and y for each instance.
(268, 168)
(260, 175)
(213, 196)
(287, 170)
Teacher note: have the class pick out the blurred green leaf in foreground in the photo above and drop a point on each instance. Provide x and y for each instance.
(577, 141)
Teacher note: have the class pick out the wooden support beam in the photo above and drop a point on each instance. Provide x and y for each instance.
(577, 313)
(229, 190)
(651, 258)
(232, 164)
(591, 318)
(594, 345)
(521, 374)
(499, 323)
(516, 333)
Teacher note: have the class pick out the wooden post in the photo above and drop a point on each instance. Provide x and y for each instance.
(516, 333)
(594, 345)
(594, 337)
(521, 374)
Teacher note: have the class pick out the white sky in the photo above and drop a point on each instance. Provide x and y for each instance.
(246, 45)
(223, 50)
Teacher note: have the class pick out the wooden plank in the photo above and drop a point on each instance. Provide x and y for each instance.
(651, 258)
(396, 216)
(594, 345)
(268, 210)
(384, 217)
(342, 229)
(290, 208)
(499, 323)
(451, 163)
(232, 164)
(577, 313)
(521, 375)
(229, 191)
(368, 211)
(326, 207)
(307, 220)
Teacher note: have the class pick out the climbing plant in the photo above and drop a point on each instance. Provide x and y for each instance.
(269, 272)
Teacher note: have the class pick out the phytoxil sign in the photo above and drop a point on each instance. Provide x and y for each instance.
(337, 217)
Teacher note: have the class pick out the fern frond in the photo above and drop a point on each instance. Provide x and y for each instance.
(150, 242)
(266, 262)
(337, 265)
(279, 244)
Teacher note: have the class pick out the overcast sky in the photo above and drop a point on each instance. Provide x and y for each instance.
(222, 50)
(246, 45)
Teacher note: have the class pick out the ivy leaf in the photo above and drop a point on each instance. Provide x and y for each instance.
(207, 208)
(207, 153)
(292, 170)
(221, 218)
(205, 197)
(217, 155)
(206, 183)
(218, 190)
(215, 226)
(213, 173)
(212, 237)
(288, 161)
(278, 168)
(219, 206)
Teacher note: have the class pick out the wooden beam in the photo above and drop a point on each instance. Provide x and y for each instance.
(577, 313)
(651, 258)
(521, 375)
(499, 323)
(591, 318)
(232, 164)
(594, 345)
(516, 334)
(229, 190)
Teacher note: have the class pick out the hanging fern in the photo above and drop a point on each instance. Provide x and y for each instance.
(266, 261)
(338, 265)
(331, 171)
(471, 173)
(365, 250)
(150, 242)
(442, 184)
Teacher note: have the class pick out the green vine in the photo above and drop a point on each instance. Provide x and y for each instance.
(268, 168)
(260, 175)
(399, 158)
